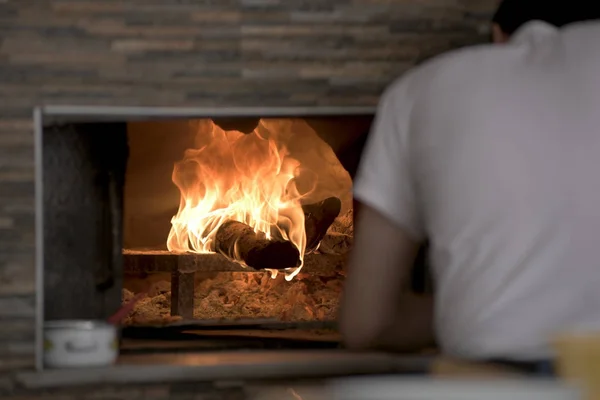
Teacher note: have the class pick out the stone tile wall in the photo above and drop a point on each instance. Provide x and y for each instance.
(189, 53)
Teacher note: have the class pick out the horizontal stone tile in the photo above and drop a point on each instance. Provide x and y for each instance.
(119, 29)
(17, 330)
(17, 348)
(216, 16)
(251, 100)
(11, 174)
(199, 55)
(16, 363)
(23, 220)
(42, 43)
(262, 16)
(169, 74)
(231, 87)
(89, 6)
(319, 70)
(143, 98)
(260, 49)
(328, 17)
(270, 73)
(341, 101)
(92, 89)
(139, 45)
(197, 31)
(27, 73)
(15, 111)
(383, 13)
(6, 222)
(21, 275)
(71, 58)
(20, 307)
(28, 19)
(15, 128)
(16, 156)
(21, 259)
(14, 206)
(17, 89)
(249, 30)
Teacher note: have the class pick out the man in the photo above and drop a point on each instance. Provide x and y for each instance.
(492, 153)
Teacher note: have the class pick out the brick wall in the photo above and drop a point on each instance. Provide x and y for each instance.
(189, 53)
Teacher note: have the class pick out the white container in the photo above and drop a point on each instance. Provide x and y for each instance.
(80, 343)
(430, 388)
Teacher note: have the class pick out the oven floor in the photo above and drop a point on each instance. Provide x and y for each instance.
(155, 341)
(198, 338)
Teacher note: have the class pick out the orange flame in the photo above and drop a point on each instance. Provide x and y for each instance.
(235, 176)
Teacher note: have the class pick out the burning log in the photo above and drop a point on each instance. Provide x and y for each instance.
(318, 218)
(238, 241)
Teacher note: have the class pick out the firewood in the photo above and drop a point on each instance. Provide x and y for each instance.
(238, 241)
(318, 217)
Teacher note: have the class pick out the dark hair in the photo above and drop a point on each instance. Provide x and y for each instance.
(512, 14)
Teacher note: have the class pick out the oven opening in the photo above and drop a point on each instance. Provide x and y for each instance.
(205, 234)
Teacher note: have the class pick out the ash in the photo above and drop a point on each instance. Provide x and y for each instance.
(239, 295)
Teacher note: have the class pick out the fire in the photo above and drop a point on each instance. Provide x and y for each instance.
(248, 178)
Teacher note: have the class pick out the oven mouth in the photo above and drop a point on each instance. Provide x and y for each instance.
(261, 328)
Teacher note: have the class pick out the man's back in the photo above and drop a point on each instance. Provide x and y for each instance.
(502, 144)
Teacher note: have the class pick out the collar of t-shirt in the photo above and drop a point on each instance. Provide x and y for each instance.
(533, 31)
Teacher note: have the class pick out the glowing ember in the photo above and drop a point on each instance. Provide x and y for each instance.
(248, 178)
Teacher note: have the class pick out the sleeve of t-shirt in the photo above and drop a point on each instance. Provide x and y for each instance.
(384, 177)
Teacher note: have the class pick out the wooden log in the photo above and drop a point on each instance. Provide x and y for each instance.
(318, 217)
(238, 241)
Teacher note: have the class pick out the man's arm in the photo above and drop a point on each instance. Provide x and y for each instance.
(378, 311)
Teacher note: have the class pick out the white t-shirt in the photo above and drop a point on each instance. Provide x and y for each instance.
(493, 153)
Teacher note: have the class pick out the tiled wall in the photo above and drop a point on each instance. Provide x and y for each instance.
(189, 53)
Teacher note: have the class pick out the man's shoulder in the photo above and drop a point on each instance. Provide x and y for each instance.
(449, 66)
(461, 56)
